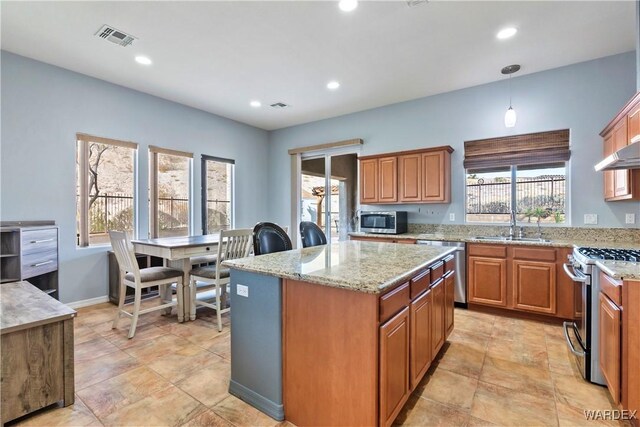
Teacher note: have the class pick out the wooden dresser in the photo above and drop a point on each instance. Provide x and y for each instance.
(36, 344)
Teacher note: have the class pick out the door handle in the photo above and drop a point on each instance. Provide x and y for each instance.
(42, 241)
(39, 264)
(566, 326)
(575, 278)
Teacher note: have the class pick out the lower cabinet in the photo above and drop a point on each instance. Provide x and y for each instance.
(487, 281)
(420, 337)
(449, 301)
(610, 342)
(437, 317)
(394, 366)
(534, 286)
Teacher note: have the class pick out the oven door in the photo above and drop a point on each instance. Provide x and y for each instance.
(378, 222)
(577, 332)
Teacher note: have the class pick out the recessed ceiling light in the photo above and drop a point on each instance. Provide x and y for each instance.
(255, 104)
(505, 33)
(143, 60)
(333, 85)
(347, 5)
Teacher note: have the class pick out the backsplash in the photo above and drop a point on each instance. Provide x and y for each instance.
(553, 233)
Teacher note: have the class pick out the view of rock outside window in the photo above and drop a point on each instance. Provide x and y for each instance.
(173, 195)
(219, 192)
(111, 186)
(314, 203)
(540, 194)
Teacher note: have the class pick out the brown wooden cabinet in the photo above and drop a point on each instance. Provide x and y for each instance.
(610, 341)
(449, 301)
(487, 280)
(420, 337)
(437, 317)
(534, 286)
(394, 366)
(418, 176)
(622, 130)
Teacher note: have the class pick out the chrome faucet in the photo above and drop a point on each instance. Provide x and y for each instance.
(512, 224)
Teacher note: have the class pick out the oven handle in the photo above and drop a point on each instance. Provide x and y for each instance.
(574, 277)
(566, 326)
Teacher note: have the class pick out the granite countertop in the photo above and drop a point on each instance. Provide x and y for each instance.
(369, 267)
(621, 270)
(557, 243)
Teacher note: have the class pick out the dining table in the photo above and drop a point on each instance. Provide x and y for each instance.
(177, 252)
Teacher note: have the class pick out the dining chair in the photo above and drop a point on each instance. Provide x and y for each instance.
(133, 276)
(232, 244)
(311, 234)
(269, 237)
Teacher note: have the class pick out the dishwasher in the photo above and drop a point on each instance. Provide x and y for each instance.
(460, 296)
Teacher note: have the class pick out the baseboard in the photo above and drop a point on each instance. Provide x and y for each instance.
(274, 410)
(88, 302)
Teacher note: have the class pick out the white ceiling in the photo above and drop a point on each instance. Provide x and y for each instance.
(217, 56)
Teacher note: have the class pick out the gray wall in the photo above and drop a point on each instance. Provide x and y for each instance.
(42, 109)
(582, 97)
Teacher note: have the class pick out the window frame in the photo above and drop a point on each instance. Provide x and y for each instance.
(154, 224)
(203, 189)
(82, 157)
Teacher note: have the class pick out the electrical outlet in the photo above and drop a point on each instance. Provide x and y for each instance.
(630, 218)
(452, 217)
(242, 290)
(590, 219)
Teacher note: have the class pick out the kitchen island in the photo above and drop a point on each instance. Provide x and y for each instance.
(338, 334)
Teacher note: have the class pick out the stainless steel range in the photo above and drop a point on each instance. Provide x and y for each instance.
(582, 333)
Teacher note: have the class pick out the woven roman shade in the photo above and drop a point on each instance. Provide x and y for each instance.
(528, 149)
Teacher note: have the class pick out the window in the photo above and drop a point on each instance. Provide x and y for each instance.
(217, 194)
(522, 173)
(105, 188)
(169, 192)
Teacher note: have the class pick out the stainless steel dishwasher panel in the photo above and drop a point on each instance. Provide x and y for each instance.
(460, 296)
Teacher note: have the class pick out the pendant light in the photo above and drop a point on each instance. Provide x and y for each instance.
(510, 116)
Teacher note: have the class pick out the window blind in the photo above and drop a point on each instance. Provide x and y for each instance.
(526, 149)
(91, 138)
(170, 152)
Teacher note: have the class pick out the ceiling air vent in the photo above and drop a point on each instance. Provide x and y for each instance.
(115, 36)
(280, 105)
(414, 3)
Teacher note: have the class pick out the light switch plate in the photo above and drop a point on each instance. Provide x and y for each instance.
(242, 290)
(590, 219)
(630, 218)
(452, 217)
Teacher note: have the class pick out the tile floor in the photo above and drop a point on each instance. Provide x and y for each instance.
(493, 371)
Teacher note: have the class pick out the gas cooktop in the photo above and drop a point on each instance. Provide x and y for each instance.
(631, 255)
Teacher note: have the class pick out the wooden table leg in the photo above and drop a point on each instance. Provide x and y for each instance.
(67, 348)
(185, 266)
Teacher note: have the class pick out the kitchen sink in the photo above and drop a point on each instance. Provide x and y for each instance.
(515, 239)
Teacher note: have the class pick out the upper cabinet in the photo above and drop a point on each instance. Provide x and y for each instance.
(624, 129)
(419, 176)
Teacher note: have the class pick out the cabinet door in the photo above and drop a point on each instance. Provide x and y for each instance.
(394, 366)
(369, 181)
(435, 177)
(410, 178)
(609, 341)
(633, 124)
(534, 286)
(487, 281)
(437, 318)
(609, 176)
(449, 290)
(388, 179)
(622, 177)
(420, 337)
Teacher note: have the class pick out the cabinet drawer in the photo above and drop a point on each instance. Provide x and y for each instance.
(493, 251)
(392, 302)
(420, 283)
(34, 241)
(611, 288)
(536, 254)
(39, 263)
(449, 263)
(437, 271)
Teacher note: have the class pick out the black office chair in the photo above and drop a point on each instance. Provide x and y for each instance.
(311, 234)
(268, 238)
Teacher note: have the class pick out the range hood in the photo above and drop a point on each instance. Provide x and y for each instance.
(625, 158)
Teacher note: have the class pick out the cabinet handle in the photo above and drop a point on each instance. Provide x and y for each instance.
(42, 241)
(41, 263)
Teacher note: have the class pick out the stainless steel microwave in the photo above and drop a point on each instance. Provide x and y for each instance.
(391, 222)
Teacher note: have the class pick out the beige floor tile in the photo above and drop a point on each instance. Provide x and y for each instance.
(220, 345)
(120, 337)
(575, 417)
(518, 377)
(77, 414)
(532, 352)
(167, 407)
(180, 364)
(115, 393)
(472, 339)
(507, 407)
(93, 349)
(473, 324)
(450, 388)
(242, 414)
(463, 359)
(506, 328)
(205, 417)
(419, 411)
(195, 331)
(477, 422)
(93, 371)
(209, 385)
(148, 350)
(580, 394)
(83, 334)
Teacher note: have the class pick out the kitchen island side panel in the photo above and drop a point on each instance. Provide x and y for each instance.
(256, 342)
